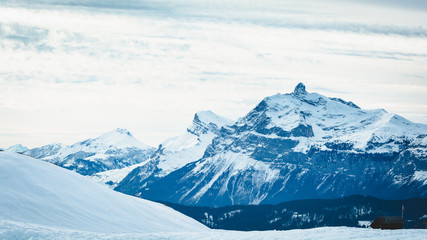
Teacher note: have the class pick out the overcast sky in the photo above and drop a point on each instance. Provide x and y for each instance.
(71, 70)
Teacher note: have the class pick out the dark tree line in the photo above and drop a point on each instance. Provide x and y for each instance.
(303, 214)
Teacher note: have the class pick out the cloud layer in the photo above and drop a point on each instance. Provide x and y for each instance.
(74, 69)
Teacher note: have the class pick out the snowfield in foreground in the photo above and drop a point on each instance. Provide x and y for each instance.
(13, 230)
(37, 192)
(39, 200)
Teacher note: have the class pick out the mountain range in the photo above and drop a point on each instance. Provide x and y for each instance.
(113, 150)
(17, 148)
(299, 145)
(292, 146)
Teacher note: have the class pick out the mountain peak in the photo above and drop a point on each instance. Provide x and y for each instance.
(18, 148)
(300, 90)
(211, 117)
(205, 120)
(119, 137)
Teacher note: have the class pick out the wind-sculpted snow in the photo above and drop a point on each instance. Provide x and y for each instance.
(37, 192)
(112, 150)
(299, 145)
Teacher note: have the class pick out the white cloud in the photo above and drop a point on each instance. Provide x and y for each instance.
(69, 71)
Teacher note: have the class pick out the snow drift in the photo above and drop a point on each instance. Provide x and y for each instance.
(37, 192)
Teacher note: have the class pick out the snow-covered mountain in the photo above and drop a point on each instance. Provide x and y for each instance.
(18, 148)
(297, 146)
(112, 150)
(37, 192)
(176, 152)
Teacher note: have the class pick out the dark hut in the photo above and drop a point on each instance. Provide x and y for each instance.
(389, 222)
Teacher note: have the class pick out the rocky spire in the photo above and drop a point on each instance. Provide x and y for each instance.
(300, 90)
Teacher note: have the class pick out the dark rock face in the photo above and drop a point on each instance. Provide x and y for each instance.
(301, 176)
(299, 90)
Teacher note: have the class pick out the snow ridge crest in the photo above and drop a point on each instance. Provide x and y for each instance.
(207, 121)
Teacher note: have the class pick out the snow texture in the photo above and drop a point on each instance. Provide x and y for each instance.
(119, 138)
(112, 177)
(37, 192)
(421, 176)
(335, 120)
(16, 230)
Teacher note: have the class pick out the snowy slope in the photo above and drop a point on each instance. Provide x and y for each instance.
(301, 145)
(112, 177)
(119, 138)
(37, 192)
(18, 148)
(176, 152)
(112, 150)
(179, 151)
(12, 230)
